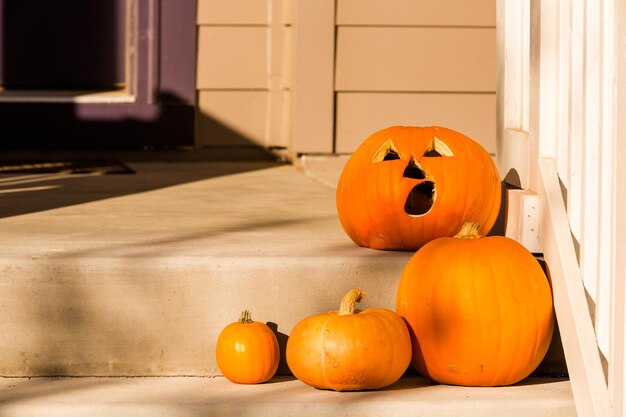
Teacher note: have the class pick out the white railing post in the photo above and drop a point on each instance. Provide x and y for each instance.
(577, 333)
(562, 127)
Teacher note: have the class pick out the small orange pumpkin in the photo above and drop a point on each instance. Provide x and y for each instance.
(405, 186)
(479, 309)
(350, 350)
(247, 351)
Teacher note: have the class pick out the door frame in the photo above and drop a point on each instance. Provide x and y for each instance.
(159, 110)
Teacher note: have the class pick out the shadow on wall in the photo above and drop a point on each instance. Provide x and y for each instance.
(168, 125)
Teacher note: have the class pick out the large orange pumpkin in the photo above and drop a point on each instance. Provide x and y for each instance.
(350, 350)
(479, 309)
(247, 351)
(405, 186)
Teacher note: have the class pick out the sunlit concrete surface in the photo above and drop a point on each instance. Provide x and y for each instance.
(137, 274)
(216, 397)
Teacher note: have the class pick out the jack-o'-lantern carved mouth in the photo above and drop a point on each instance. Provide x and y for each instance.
(422, 197)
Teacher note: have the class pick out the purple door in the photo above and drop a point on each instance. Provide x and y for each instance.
(97, 74)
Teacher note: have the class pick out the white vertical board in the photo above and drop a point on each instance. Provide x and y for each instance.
(617, 356)
(516, 65)
(563, 92)
(596, 239)
(522, 223)
(576, 166)
(606, 255)
(513, 86)
(549, 78)
(590, 180)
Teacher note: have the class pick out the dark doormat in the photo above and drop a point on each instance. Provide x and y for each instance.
(65, 166)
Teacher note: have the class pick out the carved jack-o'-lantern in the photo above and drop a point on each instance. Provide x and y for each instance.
(405, 186)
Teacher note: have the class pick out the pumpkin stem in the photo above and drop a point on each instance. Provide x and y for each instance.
(348, 301)
(469, 230)
(246, 317)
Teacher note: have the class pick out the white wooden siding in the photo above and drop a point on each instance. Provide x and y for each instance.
(574, 91)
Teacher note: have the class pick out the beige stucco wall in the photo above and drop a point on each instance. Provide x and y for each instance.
(394, 62)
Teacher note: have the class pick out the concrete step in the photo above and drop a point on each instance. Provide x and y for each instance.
(137, 274)
(216, 397)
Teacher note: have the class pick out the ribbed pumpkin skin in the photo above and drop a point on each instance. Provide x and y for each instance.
(479, 311)
(247, 353)
(367, 350)
(371, 195)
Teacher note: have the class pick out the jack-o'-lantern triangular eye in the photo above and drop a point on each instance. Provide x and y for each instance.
(386, 152)
(437, 148)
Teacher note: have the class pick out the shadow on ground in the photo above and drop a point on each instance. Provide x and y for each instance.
(28, 193)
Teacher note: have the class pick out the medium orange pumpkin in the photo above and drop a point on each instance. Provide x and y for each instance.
(405, 186)
(350, 350)
(247, 351)
(479, 309)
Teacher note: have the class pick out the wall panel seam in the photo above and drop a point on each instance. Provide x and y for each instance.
(231, 89)
(407, 91)
(352, 25)
(235, 25)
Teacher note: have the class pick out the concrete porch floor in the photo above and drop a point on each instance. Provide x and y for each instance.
(217, 397)
(135, 275)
